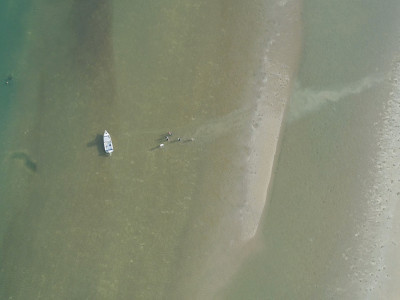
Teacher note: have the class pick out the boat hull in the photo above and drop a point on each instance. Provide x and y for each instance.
(108, 145)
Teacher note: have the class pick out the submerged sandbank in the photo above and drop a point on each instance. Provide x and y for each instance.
(144, 223)
(331, 228)
(280, 62)
(250, 173)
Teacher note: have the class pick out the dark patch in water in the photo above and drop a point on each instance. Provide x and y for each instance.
(91, 54)
(28, 162)
(91, 21)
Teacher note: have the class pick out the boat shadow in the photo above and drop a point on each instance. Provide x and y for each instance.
(98, 143)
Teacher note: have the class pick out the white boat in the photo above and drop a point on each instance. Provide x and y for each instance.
(108, 146)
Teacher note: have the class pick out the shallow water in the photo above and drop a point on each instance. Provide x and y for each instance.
(331, 214)
(78, 224)
(146, 223)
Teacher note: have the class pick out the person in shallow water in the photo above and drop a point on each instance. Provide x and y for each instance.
(8, 80)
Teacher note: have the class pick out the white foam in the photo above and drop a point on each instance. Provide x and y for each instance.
(378, 246)
(306, 101)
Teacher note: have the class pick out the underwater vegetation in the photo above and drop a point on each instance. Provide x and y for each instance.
(27, 161)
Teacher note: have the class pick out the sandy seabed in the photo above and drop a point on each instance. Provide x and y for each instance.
(78, 209)
(233, 240)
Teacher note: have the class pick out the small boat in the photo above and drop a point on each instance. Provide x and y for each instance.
(108, 146)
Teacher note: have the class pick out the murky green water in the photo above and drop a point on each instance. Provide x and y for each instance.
(145, 223)
(76, 224)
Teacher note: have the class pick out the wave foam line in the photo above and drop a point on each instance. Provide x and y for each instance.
(378, 233)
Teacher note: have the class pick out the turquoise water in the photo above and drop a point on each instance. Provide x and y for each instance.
(11, 36)
(12, 24)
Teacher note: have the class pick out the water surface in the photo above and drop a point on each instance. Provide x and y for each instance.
(78, 224)
(330, 220)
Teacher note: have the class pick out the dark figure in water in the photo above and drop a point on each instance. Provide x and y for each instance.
(8, 80)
